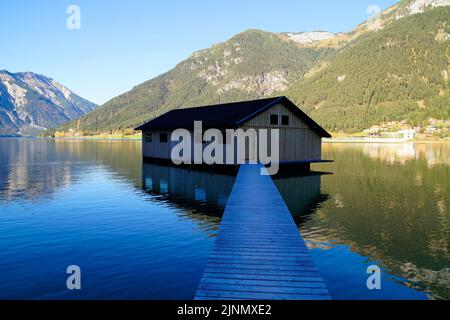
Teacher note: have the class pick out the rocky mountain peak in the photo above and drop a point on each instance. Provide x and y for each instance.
(419, 6)
(31, 102)
(310, 37)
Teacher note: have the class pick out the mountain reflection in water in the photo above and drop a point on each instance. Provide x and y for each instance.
(95, 203)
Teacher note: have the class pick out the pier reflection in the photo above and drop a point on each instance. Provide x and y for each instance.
(207, 192)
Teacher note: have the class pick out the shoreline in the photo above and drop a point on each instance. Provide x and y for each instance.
(368, 141)
(73, 138)
(332, 140)
(97, 139)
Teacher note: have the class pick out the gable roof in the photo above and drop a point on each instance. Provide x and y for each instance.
(229, 115)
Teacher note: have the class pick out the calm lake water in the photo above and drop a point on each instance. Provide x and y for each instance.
(145, 231)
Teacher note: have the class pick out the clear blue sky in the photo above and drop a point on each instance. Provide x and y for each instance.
(123, 43)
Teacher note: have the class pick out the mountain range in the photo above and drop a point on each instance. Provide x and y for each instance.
(31, 103)
(392, 67)
(400, 72)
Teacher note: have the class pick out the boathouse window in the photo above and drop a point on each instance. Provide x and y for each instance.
(274, 119)
(148, 137)
(285, 120)
(163, 137)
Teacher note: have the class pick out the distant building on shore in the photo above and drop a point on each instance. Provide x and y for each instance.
(404, 135)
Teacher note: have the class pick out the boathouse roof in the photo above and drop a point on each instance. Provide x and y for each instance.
(228, 115)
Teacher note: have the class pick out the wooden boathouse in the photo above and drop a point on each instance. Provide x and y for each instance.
(300, 137)
(259, 253)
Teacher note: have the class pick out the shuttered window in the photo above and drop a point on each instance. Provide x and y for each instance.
(163, 137)
(148, 137)
(274, 119)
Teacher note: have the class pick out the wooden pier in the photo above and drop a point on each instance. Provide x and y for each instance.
(259, 253)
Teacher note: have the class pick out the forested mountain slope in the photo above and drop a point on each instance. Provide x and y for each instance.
(395, 67)
(400, 72)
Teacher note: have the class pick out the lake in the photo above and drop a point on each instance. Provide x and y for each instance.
(144, 231)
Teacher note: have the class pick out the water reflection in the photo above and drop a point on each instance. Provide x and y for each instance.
(200, 195)
(433, 154)
(387, 204)
(396, 214)
(201, 192)
(301, 192)
(81, 202)
(34, 169)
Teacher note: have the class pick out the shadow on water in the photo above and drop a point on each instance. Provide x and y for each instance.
(197, 192)
(206, 192)
(301, 191)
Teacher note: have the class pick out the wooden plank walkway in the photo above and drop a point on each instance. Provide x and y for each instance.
(259, 253)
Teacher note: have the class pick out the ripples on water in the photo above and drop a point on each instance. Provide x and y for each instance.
(145, 231)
